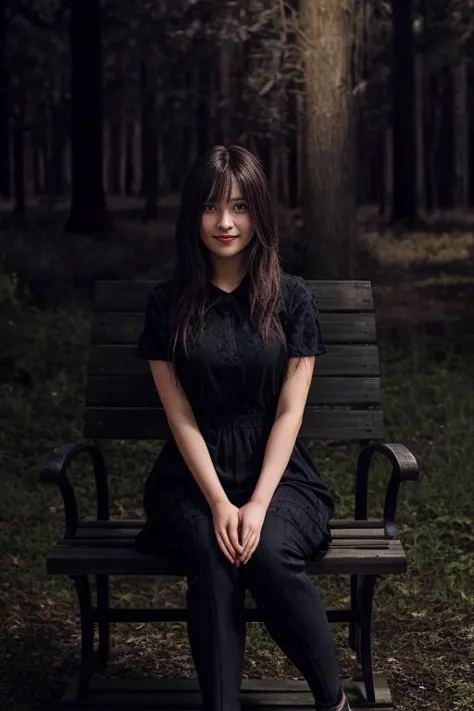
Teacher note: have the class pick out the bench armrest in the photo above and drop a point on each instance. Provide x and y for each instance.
(404, 468)
(55, 472)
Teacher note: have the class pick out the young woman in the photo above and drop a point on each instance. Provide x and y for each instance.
(231, 341)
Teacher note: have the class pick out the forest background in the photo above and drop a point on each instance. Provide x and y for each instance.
(362, 114)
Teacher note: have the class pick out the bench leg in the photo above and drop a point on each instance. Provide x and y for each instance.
(355, 606)
(102, 584)
(367, 588)
(87, 634)
(360, 631)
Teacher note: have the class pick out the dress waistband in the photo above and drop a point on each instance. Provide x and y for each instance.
(235, 421)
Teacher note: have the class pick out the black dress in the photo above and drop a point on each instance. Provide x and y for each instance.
(232, 383)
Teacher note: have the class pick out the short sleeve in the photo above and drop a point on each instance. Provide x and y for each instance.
(304, 334)
(155, 338)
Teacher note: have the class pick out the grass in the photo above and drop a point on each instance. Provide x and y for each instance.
(423, 621)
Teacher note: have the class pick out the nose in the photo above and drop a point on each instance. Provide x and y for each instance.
(225, 222)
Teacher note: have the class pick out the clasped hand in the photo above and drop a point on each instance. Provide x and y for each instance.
(238, 530)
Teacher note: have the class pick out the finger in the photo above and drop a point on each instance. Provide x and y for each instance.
(251, 547)
(254, 546)
(229, 543)
(245, 537)
(234, 537)
(225, 547)
(248, 543)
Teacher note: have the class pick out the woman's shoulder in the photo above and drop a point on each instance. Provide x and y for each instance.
(290, 286)
(290, 280)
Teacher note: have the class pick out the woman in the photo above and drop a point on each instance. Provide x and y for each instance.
(231, 342)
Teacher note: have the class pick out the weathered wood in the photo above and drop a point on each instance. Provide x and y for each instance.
(117, 327)
(75, 559)
(184, 694)
(330, 295)
(341, 536)
(339, 360)
(151, 423)
(370, 527)
(134, 390)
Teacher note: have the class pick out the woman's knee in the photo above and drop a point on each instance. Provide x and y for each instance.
(271, 553)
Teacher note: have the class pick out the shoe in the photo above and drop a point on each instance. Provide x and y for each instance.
(345, 706)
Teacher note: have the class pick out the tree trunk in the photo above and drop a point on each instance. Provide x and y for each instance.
(58, 140)
(404, 133)
(203, 118)
(292, 146)
(224, 73)
(430, 144)
(115, 156)
(19, 154)
(68, 166)
(5, 164)
(328, 195)
(129, 168)
(446, 175)
(461, 135)
(388, 170)
(46, 151)
(300, 145)
(419, 113)
(137, 156)
(149, 141)
(88, 209)
(37, 182)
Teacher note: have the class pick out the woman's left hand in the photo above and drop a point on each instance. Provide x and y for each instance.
(251, 518)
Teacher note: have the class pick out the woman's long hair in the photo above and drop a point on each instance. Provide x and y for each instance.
(208, 180)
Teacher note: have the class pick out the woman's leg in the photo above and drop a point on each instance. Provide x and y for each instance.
(289, 602)
(216, 604)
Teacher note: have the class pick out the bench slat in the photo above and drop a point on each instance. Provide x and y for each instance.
(117, 327)
(136, 390)
(184, 694)
(70, 559)
(339, 360)
(346, 536)
(362, 527)
(151, 423)
(128, 542)
(330, 295)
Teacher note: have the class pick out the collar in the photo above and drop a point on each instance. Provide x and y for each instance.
(240, 294)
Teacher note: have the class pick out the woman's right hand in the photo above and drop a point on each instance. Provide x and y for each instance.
(226, 527)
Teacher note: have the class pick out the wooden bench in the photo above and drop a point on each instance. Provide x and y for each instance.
(343, 404)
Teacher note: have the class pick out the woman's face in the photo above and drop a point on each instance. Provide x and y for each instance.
(227, 218)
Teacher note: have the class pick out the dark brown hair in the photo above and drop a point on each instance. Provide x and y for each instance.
(208, 180)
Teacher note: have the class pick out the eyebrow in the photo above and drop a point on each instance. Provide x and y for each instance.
(236, 199)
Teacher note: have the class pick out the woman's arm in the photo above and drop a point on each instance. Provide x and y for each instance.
(288, 420)
(195, 453)
(185, 430)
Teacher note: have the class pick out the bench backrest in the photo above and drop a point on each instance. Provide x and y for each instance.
(343, 402)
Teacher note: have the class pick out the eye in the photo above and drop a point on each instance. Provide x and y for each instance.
(242, 204)
(207, 206)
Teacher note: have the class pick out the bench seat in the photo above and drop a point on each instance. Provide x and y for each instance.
(107, 547)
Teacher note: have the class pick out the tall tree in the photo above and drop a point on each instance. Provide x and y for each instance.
(328, 190)
(5, 187)
(88, 209)
(404, 126)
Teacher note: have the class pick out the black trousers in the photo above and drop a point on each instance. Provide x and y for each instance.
(275, 575)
